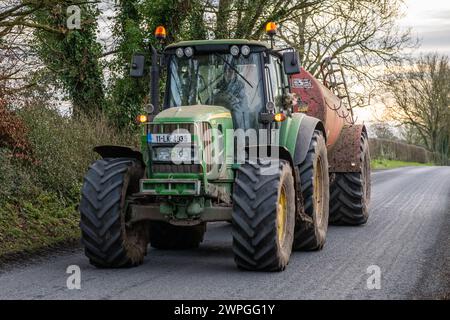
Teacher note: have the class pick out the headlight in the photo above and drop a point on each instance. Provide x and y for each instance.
(175, 154)
(234, 51)
(189, 52)
(181, 154)
(179, 53)
(162, 154)
(245, 50)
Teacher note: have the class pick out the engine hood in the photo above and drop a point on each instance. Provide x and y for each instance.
(197, 113)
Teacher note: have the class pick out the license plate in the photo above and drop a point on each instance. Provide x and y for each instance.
(170, 138)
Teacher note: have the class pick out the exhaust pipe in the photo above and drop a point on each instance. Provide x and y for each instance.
(155, 72)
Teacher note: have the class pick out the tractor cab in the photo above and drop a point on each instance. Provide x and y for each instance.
(248, 78)
(216, 73)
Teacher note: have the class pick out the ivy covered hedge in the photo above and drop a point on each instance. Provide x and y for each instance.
(43, 158)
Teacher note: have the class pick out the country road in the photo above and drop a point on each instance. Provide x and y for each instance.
(407, 236)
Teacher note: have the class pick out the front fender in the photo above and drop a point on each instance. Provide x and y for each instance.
(118, 152)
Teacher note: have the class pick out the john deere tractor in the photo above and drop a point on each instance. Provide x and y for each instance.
(243, 135)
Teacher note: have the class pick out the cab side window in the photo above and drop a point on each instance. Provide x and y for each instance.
(274, 81)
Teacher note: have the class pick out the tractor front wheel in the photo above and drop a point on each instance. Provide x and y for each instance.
(263, 215)
(109, 242)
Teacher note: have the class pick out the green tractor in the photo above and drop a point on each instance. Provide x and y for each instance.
(243, 135)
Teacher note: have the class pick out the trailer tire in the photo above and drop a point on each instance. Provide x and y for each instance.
(165, 236)
(350, 192)
(314, 187)
(263, 216)
(108, 241)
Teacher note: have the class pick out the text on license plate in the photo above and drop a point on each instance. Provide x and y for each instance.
(171, 138)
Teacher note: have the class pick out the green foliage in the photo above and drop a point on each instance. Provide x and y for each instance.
(127, 96)
(35, 223)
(134, 29)
(183, 19)
(38, 200)
(63, 146)
(31, 217)
(72, 56)
(15, 181)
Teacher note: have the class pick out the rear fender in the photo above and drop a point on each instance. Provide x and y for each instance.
(345, 154)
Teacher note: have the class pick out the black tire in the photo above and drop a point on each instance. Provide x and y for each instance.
(263, 216)
(108, 241)
(314, 185)
(165, 236)
(350, 192)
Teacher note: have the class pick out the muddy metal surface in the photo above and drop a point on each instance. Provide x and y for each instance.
(407, 237)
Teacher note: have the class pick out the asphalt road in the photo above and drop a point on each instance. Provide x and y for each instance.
(407, 237)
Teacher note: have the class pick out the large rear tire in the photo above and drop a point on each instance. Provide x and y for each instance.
(108, 241)
(263, 216)
(350, 192)
(165, 236)
(314, 186)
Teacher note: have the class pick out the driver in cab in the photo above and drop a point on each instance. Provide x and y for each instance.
(230, 93)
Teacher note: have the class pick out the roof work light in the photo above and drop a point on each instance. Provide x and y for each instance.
(271, 29)
(160, 33)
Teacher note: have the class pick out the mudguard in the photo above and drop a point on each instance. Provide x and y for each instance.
(118, 152)
(307, 127)
(345, 155)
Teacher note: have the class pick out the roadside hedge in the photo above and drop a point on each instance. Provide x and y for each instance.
(394, 150)
(42, 164)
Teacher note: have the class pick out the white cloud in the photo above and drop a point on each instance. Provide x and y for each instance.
(430, 21)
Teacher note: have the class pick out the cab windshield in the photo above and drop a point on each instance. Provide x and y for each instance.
(219, 80)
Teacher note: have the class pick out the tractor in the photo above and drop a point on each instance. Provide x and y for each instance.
(241, 134)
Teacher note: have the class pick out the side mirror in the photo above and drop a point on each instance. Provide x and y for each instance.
(137, 66)
(291, 62)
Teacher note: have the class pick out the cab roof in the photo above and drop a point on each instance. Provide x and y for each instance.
(219, 42)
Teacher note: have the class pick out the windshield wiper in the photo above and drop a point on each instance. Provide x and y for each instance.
(234, 69)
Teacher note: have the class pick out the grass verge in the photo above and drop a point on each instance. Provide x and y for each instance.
(378, 164)
(28, 225)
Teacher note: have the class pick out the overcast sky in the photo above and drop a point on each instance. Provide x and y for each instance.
(430, 20)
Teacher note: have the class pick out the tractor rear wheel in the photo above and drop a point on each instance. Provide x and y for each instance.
(263, 215)
(109, 242)
(314, 186)
(165, 236)
(350, 192)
